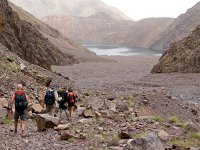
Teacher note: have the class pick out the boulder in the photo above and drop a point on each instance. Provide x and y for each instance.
(67, 136)
(3, 102)
(163, 135)
(124, 135)
(3, 112)
(46, 81)
(45, 121)
(37, 108)
(97, 115)
(88, 112)
(111, 105)
(150, 142)
(62, 127)
(22, 66)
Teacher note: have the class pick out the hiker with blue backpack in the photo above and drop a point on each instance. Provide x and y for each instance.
(21, 102)
(50, 98)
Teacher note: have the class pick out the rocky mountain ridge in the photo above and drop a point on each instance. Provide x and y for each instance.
(179, 28)
(24, 39)
(76, 8)
(182, 56)
(104, 29)
(60, 41)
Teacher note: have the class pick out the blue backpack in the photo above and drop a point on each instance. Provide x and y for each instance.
(49, 98)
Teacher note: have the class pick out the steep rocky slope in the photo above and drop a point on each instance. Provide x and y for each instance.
(61, 42)
(182, 56)
(24, 39)
(103, 29)
(79, 8)
(180, 28)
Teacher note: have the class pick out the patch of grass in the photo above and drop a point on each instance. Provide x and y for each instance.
(157, 118)
(138, 135)
(115, 137)
(70, 140)
(195, 136)
(183, 143)
(6, 121)
(173, 119)
(177, 121)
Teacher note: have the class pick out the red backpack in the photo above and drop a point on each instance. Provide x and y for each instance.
(71, 97)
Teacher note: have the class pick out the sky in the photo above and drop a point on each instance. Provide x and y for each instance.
(139, 9)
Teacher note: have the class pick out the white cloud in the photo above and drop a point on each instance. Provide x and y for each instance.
(138, 9)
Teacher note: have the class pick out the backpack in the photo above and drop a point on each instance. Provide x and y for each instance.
(71, 96)
(64, 99)
(20, 101)
(49, 98)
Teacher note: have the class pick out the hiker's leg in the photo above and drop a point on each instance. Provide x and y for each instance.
(16, 117)
(47, 108)
(16, 124)
(60, 112)
(23, 126)
(23, 118)
(71, 110)
(52, 110)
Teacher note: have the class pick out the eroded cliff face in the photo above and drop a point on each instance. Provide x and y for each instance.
(180, 28)
(182, 56)
(25, 40)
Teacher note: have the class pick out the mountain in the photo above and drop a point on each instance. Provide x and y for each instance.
(78, 8)
(94, 21)
(102, 28)
(179, 28)
(182, 56)
(60, 41)
(24, 39)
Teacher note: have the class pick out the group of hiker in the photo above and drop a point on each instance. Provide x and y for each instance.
(64, 98)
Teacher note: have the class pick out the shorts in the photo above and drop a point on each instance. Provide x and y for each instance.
(22, 115)
(71, 104)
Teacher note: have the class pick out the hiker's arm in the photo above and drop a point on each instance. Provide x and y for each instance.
(12, 101)
(56, 96)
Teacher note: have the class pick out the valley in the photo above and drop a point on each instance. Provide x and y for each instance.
(137, 82)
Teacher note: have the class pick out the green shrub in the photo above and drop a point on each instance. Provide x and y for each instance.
(195, 136)
(157, 118)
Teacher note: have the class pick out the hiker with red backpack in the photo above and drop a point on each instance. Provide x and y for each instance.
(71, 101)
(21, 103)
(50, 98)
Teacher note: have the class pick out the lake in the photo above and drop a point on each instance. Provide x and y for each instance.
(111, 50)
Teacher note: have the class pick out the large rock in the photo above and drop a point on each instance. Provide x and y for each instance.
(88, 112)
(182, 56)
(62, 127)
(150, 142)
(45, 121)
(37, 108)
(67, 136)
(111, 105)
(163, 135)
(3, 102)
(3, 112)
(46, 81)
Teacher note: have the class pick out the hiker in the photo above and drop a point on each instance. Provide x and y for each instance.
(63, 103)
(50, 97)
(71, 101)
(21, 102)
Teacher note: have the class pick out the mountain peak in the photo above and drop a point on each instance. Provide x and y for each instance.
(77, 8)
